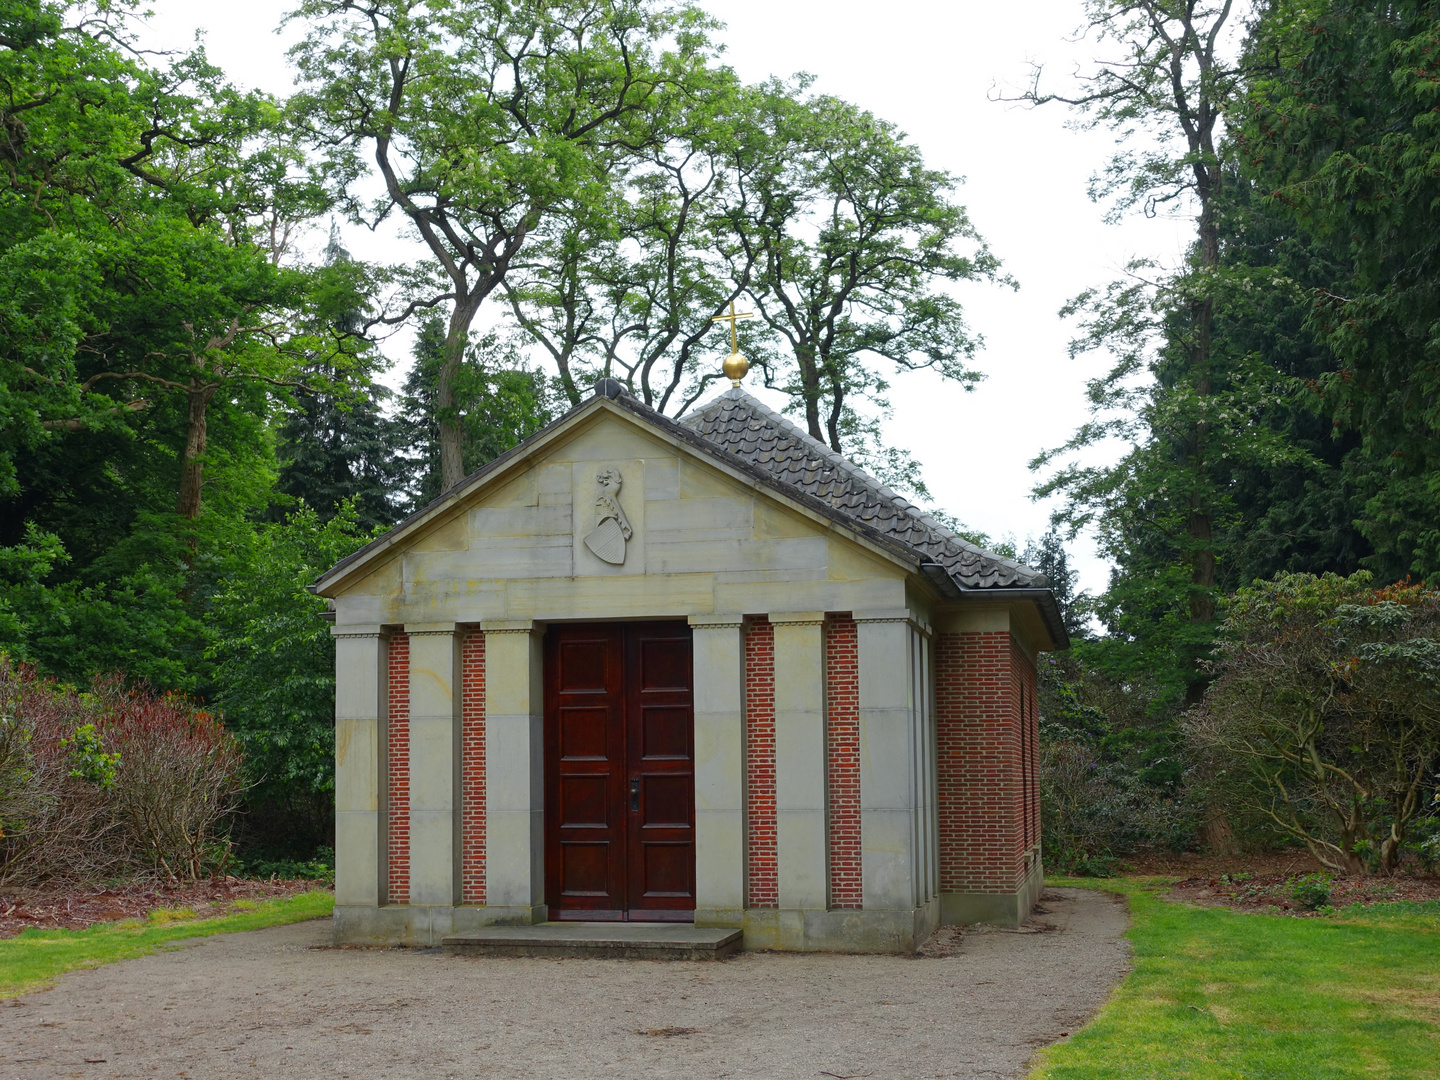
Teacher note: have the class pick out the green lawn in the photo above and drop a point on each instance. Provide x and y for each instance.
(34, 957)
(1217, 994)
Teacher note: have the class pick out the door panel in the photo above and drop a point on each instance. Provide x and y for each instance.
(660, 711)
(619, 772)
(585, 774)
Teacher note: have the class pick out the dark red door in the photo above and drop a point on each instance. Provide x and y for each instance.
(619, 772)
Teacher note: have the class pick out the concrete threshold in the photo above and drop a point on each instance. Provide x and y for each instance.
(629, 941)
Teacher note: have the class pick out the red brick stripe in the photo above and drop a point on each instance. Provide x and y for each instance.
(398, 770)
(472, 768)
(842, 734)
(761, 863)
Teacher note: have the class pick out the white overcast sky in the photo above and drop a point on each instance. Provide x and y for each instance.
(928, 67)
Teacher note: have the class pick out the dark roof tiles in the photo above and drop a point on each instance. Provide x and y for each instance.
(739, 423)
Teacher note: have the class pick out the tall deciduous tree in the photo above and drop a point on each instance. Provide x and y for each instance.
(628, 288)
(847, 241)
(482, 116)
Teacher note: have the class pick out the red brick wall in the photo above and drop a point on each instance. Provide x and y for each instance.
(842, 738)
(762, 868)
(1026, 678)
(472, 768)
(397, 831)
(982, 804)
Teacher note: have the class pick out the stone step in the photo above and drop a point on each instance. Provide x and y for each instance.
(630, 941)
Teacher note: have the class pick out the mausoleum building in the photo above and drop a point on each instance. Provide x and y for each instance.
(705, 670)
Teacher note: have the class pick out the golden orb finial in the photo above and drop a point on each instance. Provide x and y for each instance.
(735, 365)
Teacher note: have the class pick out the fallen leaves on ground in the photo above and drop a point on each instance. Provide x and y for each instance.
(76, 907)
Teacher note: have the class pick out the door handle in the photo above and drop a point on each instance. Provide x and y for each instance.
(634, 794)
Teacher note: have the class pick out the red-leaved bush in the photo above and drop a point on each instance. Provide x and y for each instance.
(110, 782)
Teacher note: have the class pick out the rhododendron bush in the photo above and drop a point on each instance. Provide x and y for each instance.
(110, 781)
(1325, 714)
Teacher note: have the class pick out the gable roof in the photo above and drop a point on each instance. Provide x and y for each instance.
(747, 436)
(747, 427)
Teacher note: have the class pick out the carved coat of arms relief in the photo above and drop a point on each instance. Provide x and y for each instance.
(612, 527)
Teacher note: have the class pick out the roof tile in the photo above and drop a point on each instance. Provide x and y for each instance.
(744, 426)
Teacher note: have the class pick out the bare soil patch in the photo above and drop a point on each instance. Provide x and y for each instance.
(268, 1003)
(76, 907)
(1266, 882)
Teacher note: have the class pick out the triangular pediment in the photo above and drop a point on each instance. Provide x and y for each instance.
(609, 492)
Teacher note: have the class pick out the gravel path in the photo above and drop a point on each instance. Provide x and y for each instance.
(281, 1003)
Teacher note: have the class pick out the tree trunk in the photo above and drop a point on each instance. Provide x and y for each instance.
(1216, 834)
(837, 406)
(192, 463)
(810, 391)
(447, 413)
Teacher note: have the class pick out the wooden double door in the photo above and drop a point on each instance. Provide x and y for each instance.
(620, 772)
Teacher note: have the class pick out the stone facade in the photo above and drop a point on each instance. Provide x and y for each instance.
(864, 739)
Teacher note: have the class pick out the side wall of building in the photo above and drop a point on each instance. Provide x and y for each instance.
(989, 803)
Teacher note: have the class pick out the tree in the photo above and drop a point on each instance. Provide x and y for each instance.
(335, 448)
(1339, 125)
(74, 144)
(1327, 701)
(484, 116)
(844, 238)
(142, 259)
(1165, 511)
(151, 321)
(337, 445)
(627, 288)
(275, 672)
(497, 403)
(1052, 560)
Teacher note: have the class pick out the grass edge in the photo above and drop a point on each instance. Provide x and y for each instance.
(128, 939)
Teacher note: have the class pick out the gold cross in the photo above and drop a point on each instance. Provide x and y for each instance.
(732, 319)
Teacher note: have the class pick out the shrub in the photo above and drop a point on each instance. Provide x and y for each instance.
(1425, 833)
(321, 868)
(275, 676)
(1311, 892)
(1326, 712)
(179, 778)
(112, 781)
(55, 824)
(1094, 811)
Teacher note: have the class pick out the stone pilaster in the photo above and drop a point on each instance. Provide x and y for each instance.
(800, 759)
(889, 749)
(719, 676)
(359, 738)
(434, 764)
(515, 767)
